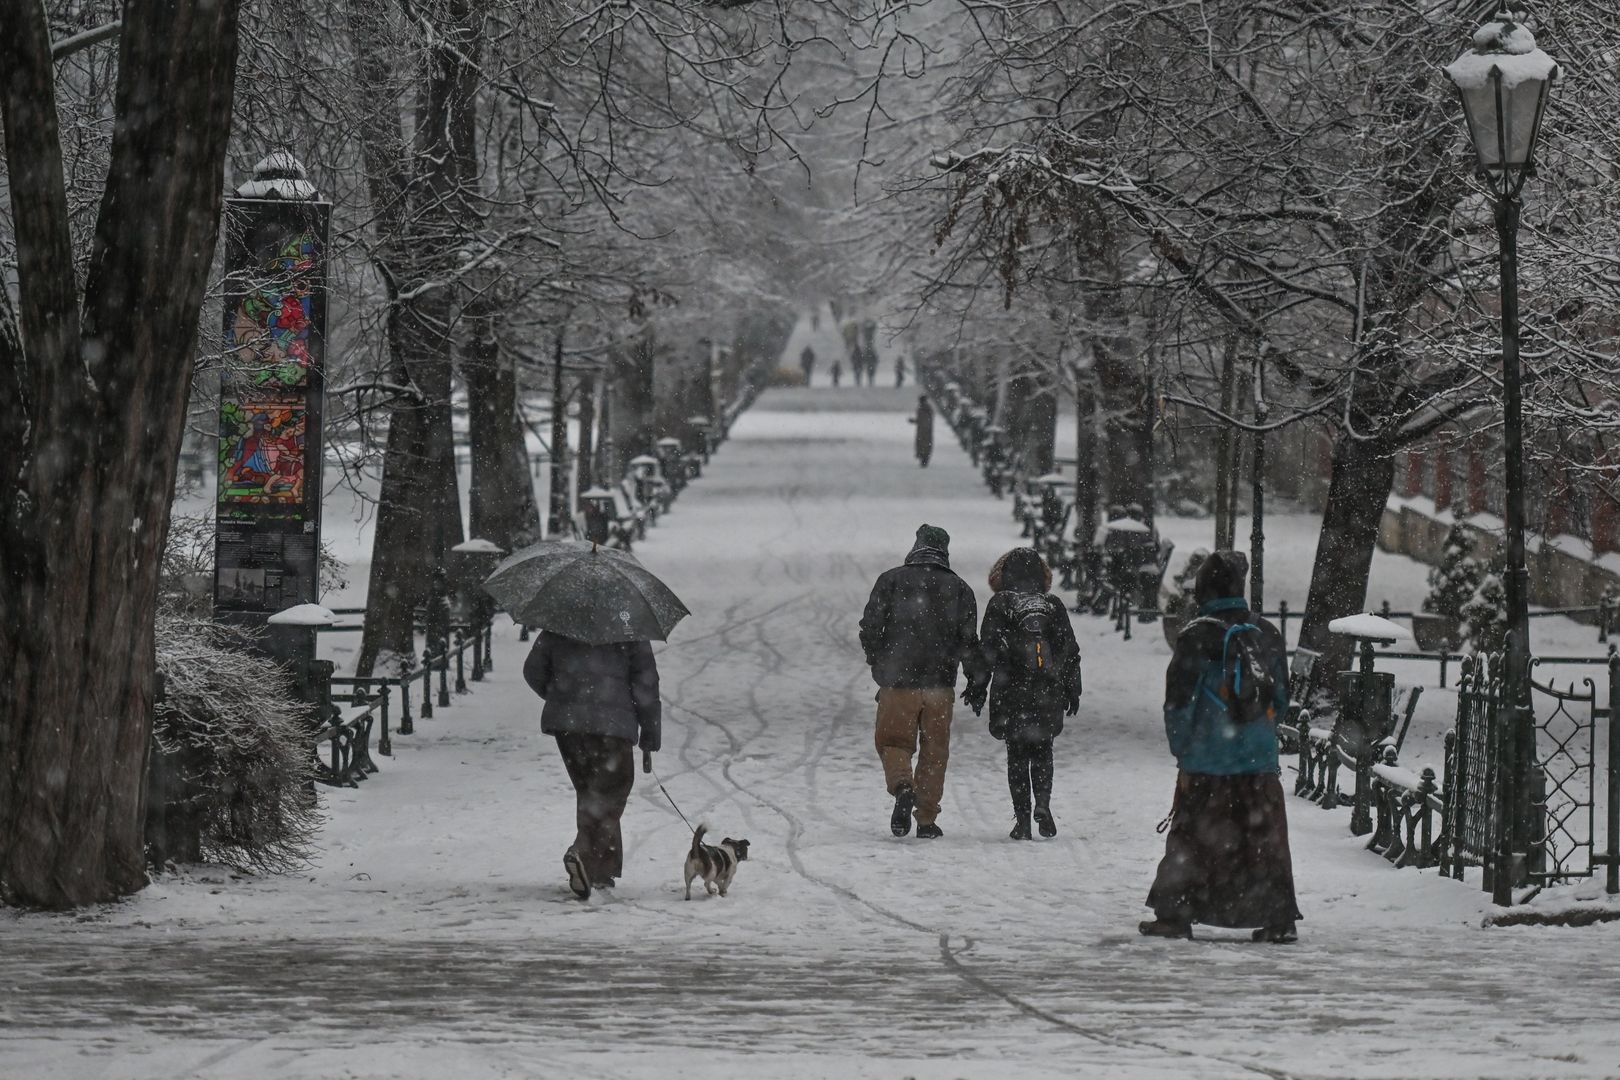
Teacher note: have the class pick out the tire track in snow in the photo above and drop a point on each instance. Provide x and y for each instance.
(951, 958)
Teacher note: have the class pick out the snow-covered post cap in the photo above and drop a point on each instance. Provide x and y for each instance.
(278, 176)
(595, 492)
(479, 546)
(1368, 627)
(303, 615)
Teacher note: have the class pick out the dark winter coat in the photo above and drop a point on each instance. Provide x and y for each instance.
(925, 429)
(607, 690)
(1202, 734)
(1026, 706)
(920, 624)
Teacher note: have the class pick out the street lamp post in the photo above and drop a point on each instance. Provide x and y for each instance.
(1257, 516)
(1503, 81)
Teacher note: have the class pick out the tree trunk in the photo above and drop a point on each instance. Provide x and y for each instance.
(96, 391)
(587, 432)
(636, 419)
(501, 504)
(1226, 453)
(397, 586)
(1363, 476)
(1124, 394)
(419, 516)
(1037, 429)
(1085, 452)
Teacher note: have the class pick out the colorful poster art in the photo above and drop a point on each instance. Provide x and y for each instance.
(261, 453)
(269, 335)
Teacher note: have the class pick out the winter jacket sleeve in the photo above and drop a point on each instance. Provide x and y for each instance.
(1279, 673)
(875, 621)
(1181, 681)
(1068, 648)
(644, 694)
(537, 667)
(967, 632)
(988, 653)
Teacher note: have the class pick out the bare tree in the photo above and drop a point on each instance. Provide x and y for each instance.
(95, 382)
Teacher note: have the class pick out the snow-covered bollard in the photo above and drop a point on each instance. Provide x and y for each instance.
(471, 562)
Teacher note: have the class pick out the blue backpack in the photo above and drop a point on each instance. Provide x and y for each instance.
(1246, 689)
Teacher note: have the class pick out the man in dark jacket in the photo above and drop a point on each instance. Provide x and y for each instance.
(918, 627)
(601, 703)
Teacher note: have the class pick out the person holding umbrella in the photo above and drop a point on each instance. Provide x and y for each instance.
(598, 611)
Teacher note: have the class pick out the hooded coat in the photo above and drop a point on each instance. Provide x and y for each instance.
(1202, 734)
(920, 621)
(1026, 706)
(924, 445)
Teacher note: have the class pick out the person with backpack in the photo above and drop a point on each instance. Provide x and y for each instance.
(1226, 860)
(1031, 676)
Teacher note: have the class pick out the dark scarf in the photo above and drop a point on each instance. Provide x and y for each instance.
(924, 555)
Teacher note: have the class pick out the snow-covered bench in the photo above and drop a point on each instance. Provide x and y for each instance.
(1323, 751)
(1410, 810)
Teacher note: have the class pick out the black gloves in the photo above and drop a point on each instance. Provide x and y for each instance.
(1073, 705)
(974, 698)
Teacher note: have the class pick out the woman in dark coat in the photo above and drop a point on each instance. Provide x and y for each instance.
(1226, 860)
(924, 443)
(601, 703)
(1031, 672)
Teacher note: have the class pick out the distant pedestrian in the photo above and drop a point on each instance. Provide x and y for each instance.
(855, 365)
(899, 372)
(869, 357)
(837, 371)
(601, 703)
(919, 626)
(807, 363)
(1226, 860)
(1031, 674)
(925, 430)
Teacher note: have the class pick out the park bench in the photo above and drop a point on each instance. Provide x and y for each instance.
(1301, 688)
(644, 512)
(1363, 735)
(1134, 578)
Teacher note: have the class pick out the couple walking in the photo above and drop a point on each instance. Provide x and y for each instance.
(1226, 861)
(920, 626)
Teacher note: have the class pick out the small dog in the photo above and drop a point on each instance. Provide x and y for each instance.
(716, 865)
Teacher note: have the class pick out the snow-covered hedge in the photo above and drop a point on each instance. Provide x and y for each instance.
(228, 721)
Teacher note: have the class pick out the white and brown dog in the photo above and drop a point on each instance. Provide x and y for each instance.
(717, 865)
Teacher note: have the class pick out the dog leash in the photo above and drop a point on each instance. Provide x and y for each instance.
(646, 766)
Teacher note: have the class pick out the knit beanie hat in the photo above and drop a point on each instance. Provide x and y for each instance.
(933, 536)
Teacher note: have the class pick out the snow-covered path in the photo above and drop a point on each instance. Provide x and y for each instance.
(436, 938)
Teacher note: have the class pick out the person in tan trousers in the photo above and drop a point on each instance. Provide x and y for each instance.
(919, 628)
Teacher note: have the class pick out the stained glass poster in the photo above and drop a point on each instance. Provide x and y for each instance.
(270, 413)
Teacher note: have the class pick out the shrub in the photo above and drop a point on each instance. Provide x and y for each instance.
(229, 724)
(1484, 615)
(1452, 584)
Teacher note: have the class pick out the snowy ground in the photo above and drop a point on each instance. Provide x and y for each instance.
(435, 936)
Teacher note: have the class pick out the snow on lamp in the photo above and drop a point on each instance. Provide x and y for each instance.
(1503, 82)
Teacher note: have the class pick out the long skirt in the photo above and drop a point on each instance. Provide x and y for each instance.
(1226, 860)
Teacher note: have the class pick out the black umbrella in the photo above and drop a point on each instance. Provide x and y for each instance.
(581, 591)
